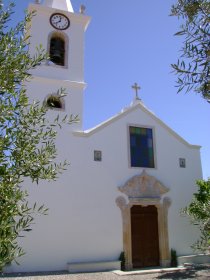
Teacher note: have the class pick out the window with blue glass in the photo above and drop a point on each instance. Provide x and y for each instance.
(141, 147)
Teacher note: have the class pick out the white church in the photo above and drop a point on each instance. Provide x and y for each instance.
(128, 178)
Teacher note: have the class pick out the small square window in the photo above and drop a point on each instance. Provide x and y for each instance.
(182, 162)
(97, 155)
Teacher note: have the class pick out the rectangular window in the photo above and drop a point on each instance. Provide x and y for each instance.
(182, 162)
(97, 155)
(141, 147)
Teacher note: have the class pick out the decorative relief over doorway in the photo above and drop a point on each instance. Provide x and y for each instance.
(145, 190)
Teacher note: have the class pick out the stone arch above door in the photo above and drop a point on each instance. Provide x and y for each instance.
(144, 190)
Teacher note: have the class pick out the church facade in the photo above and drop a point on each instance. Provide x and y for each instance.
(128, 178)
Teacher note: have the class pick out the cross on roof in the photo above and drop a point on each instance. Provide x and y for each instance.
(136, 88)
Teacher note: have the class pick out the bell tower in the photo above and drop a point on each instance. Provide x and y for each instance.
(60, 31)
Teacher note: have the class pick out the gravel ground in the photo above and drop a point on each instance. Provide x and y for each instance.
(201, 273)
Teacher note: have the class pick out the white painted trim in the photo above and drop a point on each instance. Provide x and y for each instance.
(65, 83)
(125, 112)
(149, 271)
(93, 266)
(194, 259)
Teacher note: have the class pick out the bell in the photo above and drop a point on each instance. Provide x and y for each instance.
(57, 51)
(56, 57)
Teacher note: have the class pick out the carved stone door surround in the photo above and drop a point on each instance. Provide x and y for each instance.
(144, 190)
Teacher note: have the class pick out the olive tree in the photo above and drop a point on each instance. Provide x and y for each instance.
(199, 213)
(192, 68)
(27, 137)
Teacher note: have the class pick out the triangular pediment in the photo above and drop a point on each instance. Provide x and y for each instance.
(143, 186)
(138, 105)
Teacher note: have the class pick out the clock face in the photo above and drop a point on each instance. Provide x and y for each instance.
(59, 21)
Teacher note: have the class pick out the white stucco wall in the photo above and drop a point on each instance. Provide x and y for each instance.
(39, 89)
(84, 222)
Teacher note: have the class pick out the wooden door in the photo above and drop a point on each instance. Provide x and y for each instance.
(144, 232)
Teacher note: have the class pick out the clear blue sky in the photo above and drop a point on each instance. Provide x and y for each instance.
(132, 41)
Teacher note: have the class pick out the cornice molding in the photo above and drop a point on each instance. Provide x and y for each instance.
(65, 83)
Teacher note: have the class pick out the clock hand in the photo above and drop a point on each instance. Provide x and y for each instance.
(59, 20)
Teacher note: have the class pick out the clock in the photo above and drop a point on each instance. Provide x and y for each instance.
(59, 21)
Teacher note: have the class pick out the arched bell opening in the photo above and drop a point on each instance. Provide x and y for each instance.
(54, 101)
(58, 48)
